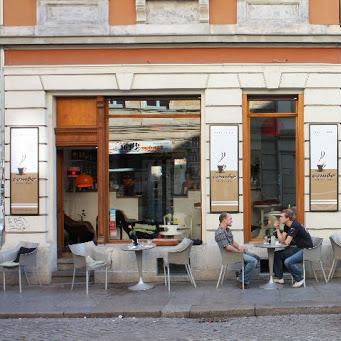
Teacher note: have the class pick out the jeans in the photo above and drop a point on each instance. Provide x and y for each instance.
(294, 265)
(286, 257)
(250, 264)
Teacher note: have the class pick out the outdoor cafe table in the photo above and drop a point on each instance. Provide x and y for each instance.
(141, 285)
(271, 247)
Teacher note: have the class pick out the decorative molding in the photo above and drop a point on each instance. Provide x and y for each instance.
(264, 12)
(73, 17)
(124, 80)
(204, 11)
(141, 13)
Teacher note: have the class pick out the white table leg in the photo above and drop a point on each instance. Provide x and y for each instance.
(140, 285)
(270, 284)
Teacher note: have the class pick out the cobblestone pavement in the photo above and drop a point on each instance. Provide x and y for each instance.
(293, 327)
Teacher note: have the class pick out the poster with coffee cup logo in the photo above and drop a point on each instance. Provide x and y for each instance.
(224, 168)
(24, 171)
(323, 167)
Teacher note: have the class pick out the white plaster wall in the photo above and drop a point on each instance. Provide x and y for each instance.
(29, 100)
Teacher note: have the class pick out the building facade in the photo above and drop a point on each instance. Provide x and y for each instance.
(181, 108)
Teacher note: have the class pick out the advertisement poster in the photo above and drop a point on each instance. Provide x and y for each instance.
(224, 168)
(24, 171)
(112, 224)
(323, 167)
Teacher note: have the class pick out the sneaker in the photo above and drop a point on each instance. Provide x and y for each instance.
(279, 280)
(298, 284)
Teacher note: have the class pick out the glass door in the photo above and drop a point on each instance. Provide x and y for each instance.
(273, 162)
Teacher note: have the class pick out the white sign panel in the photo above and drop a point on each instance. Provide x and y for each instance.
(140, 147)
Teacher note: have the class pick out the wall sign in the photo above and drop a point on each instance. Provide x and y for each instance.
(323, 167)
(24, 171)
(224, 168)
(140, 147)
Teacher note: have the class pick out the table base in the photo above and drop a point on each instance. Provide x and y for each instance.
(141, 286)
(269, 286)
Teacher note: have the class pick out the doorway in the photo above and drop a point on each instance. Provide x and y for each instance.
(273, 162)
(77, 196)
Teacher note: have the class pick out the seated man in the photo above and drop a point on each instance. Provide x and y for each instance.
(297, 238)
(224, 239)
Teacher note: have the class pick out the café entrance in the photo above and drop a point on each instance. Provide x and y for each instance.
(273, 162)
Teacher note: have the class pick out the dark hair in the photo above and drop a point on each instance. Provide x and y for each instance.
(223, 216)
(289, 214)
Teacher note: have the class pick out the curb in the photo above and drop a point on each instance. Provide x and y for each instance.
(195, 313)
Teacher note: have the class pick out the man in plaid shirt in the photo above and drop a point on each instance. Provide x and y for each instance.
(224, 239)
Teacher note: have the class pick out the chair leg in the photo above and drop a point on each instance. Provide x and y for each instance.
(19, 273)
(332, 269)
(27, 280)
(223, 276)
(323, 272)
(314, 272)
(304, 274)
(73, 277)
(193, 280)
(4, 281)
(106, 278)
(87, 282)
(188, 273)
(165, 274)
(243, 284)
(220, 274)
(168, 277)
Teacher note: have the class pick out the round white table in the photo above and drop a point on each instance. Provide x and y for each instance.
(141, 285)
(171, 230)
(271, 253)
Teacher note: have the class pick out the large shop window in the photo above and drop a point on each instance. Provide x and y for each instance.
(154, 168)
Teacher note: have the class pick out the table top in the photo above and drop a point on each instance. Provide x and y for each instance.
(270, 246)
(139, 247)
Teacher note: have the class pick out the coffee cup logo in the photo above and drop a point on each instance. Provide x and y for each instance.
(321, 163)
(221, 166)
(21, 168)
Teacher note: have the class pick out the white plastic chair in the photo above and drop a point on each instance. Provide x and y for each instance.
(185, 221)
(26, 261)
(180, 255)
(314, 255)
(227, 259)
(89, 256)
(335, 241)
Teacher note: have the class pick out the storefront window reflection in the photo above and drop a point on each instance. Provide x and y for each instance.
(154, 166)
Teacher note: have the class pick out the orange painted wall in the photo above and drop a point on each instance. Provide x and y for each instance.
(324, 12)
(223, 12)
(20, 13)
(172, 56)
(122, 12)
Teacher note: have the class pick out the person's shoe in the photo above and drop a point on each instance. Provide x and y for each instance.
(279, 280)
(298, 284)
(246, 286)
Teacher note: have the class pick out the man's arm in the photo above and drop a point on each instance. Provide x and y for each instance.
(238, 247)
(232, 248)
(288, 240)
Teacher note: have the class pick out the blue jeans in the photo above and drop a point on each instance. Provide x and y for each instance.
(250, 264)
(294, 265)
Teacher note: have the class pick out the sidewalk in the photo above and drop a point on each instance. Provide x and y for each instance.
(184, 301)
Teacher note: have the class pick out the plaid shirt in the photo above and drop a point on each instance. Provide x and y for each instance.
(223, 237)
